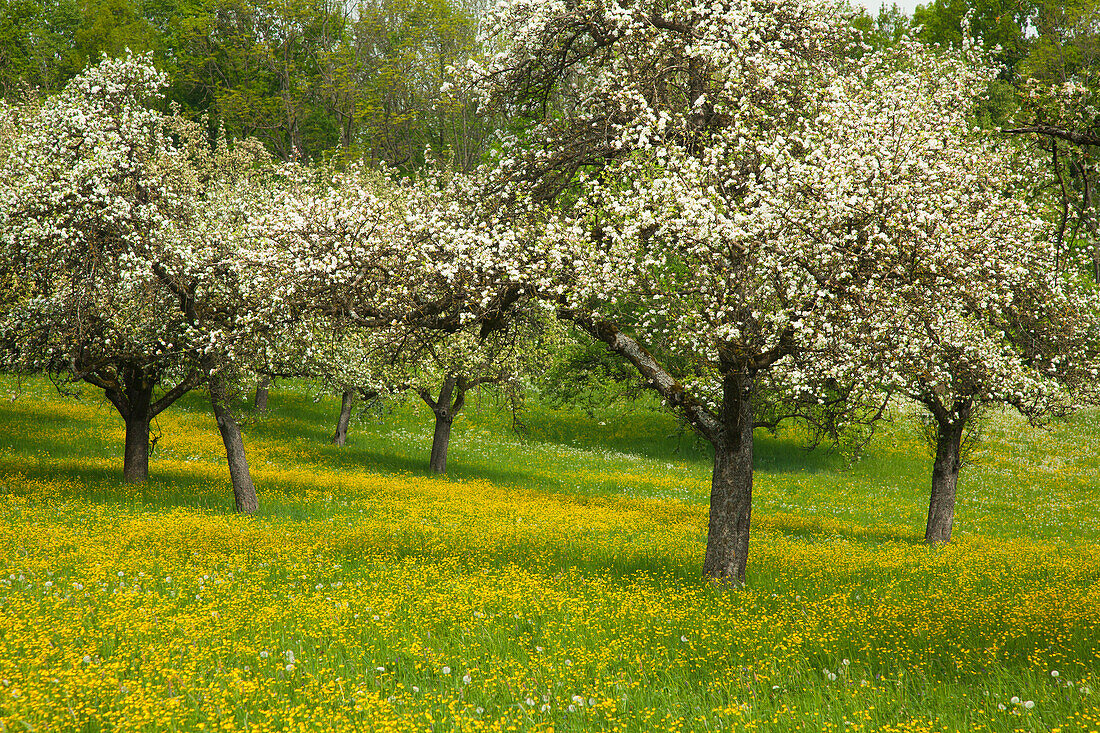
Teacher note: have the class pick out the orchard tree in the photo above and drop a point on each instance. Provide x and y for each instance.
(402, 285)
(90, 180)
(655, 138)
(221, 282)
(122, 227)
(961, 304)
(448, 366)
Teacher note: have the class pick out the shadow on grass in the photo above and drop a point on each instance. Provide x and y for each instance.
(647, 433)
(815, 530)
(59, 436)
(658, 435)
(165, 489)
(501, 474)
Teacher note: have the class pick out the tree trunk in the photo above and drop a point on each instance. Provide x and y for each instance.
(1089, 213)
(347, 401)
(731, 485)
(135, 461)
(454, 388)
(261, 393)
(244, 492)
(945, 477)
(132, 396)
(444, 419)
(135, 403)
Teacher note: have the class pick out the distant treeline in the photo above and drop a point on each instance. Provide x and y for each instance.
(306, 77)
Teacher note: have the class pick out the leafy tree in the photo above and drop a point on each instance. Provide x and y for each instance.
(999, 25)
(1066, 45)
(885, 29)
(37, 47)
(961, 304)
(715, 181)
(89, 183)
(411, 48)
(1057, 112)
(248, 63)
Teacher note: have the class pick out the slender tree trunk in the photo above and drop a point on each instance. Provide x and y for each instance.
(244, 492)
(731, 485)
(1089, 213)
(261, 393)
(945, 478)
(452, 397)
(444, 419)
(135, 461)
(347, 401)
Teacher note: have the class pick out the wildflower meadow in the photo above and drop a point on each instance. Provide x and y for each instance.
(550, 583)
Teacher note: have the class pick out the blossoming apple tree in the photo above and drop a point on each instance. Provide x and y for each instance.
(124, 256)
(687, 155)
(659, 135)
(961, 300)
(405, 289)
(87, 184)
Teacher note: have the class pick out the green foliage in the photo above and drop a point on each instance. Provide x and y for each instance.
(587, 375)
(1066, 44)
(885, 29)
(307, 77)
(37, 44)
(1000, 26)
(252, 65)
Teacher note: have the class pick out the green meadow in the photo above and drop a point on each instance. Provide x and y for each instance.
(552, 581)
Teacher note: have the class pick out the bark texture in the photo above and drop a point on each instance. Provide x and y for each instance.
(452, 397)
(945, 479)
(945, 472)
(731, 485)
(347, 402)
(261, 393)
(244, 491)
(440, 440)
(134, 401)
(135, 460)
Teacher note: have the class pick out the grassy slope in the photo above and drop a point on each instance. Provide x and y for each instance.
(557, 570)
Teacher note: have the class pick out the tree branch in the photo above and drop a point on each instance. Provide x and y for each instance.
(427, 397)
(657, 378)
(1077, 138)
(189, 382)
